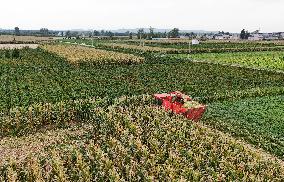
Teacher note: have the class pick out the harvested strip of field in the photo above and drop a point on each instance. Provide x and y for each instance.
(24, 39)
(132, 140)
(80, 54)
(18, 46)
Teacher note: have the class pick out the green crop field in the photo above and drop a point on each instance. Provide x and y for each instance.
(184, 44)
(267, 60)
(259, 120)
(39, 76)
(78, 113)
(179, 47)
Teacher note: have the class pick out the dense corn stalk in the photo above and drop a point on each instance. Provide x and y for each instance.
(79, 54)
(134, 140)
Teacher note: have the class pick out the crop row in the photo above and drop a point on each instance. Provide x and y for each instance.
(23, 120)
(183, 44)
(41, 77)
(180, 47)
(257, 120)
(132, 141)
(80, 54)
(193, 50)
(266, 60)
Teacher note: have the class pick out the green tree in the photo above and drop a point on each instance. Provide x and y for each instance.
(102, 33)
(96, 33)
(164, 35)
(44, 31)
(68, 34)
(17, 31)
(130, 35)
(109, 33)
(191, 35)
(244, 34)
(151, 33)
(140, 33)
(174, 33)
(247, 34)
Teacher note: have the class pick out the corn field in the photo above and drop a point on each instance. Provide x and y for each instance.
(135, 140)
(184, 49)
(73, 113)
(79, 54)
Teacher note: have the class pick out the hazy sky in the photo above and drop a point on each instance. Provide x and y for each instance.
(227, 15)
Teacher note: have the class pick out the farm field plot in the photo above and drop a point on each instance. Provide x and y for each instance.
(24, 39)
(176, 47)
(97, 117)
(132, 140)
(43, 77)
(259, 120)
(267, 60)
(183, 44)
(79, 54)
(135, 48)
(122, 47)
(18, 46)
(118, 91)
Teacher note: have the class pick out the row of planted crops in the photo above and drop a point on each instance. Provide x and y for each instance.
(72, 124)
(259, 60)
(79, 54)
(131, 139)
(181, 47)
(38, 76)
(184, 43)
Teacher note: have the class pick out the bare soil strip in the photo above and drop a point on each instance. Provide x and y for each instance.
(18, 46)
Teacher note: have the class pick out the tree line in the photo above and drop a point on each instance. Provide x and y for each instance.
(140, 34)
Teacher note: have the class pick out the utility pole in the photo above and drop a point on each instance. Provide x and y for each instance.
(140, 40)
(92, 38)
(189, 48)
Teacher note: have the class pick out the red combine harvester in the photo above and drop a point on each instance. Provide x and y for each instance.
(180, 103)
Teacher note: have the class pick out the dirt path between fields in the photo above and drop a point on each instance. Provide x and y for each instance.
(18, 46)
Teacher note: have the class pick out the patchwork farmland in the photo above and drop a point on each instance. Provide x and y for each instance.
(83, 110)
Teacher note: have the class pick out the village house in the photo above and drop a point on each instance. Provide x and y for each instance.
(219, 37)
(226, 37)
(280, 35)
(255, 37)
(270, 36)
(235, 36)
(210, 37)
(194, 42)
